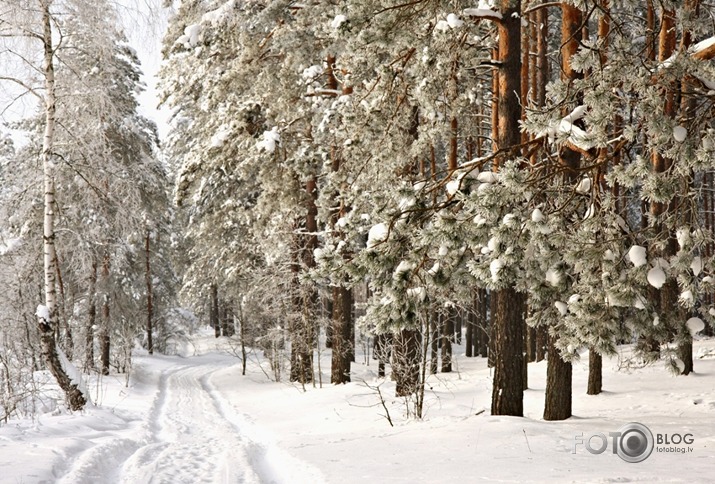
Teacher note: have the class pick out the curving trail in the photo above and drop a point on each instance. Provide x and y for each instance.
(191, 435)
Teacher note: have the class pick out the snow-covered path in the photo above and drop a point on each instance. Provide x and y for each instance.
(196, 418)
(191, 434)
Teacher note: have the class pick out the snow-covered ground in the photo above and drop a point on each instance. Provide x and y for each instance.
(195, 418)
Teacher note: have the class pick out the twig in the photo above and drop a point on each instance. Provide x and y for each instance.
(382, 401)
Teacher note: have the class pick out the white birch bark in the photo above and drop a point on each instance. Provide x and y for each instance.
(47, 318)
(50, 258)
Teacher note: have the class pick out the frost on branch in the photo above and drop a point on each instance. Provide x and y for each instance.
(338, 21)
(270, 140)
(637, 255)
(377, 234)
(695, 325)
(656, 277)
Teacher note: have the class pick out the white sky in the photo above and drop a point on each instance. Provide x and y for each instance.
(145, 22)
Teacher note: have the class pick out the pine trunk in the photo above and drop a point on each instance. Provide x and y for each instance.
(558, 371)
(149, 296)
(558, 385)
(482, 328)
(595, 372)
(469, 335)
(491, 337)
(508, 320)
(104, 338)
(508, 390)
(541, 342)
(303, 336)
(329, 309)
(688, 107)
(665, 298)
(525, 365)
(91, 320)
(231, 321)
(457, 329)
(214, 313)
(224, 319)
(531, 346)
(447, 334)
(434, 341)
(685, 352)
(342, 320)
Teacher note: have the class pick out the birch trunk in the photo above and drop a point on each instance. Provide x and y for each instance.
(47, 321)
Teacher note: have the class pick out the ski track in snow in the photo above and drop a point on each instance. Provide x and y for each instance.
(191, 435)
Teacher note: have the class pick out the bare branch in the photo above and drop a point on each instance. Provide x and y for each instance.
(29, 89)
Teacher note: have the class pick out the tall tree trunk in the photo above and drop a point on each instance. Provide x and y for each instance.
(595, 378)
(542, 337)
(457, 329)
(650, 31)
(540, 79)
(508, 392)
(434, 341)
(687, 111)
(542, 61)
(230, 319)
(595, 361)
(495, 101)
(558, 385)
(224, 319)
(665, 298)
(91, 320)
(47, 319)
(707, 208)
(302, 336)
(214, 312)
(305, 336)
(149, 295)
(351, 327)
(342, 319)
(329, 309)
(525, 366)
(531, 344)
(525, 74)
(491, 337)
(104, 338)
(685, 351)
(482, 329)
(243, 336)
(342, 333)
(508, 389)
(558, 380)
(447, 334)
(469, 334)
(66, 341)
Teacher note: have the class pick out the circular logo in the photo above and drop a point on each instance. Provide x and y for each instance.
(636, 442)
